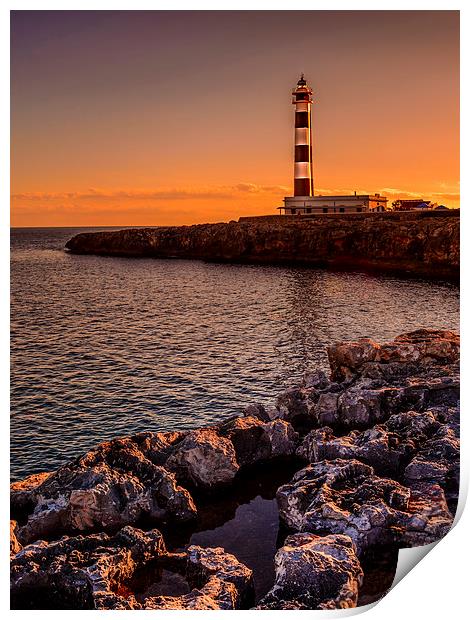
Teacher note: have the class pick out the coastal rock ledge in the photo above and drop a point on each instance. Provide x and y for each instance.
(421, 244)
(374, 451)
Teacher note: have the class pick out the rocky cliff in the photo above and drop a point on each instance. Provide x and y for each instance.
(423, 244)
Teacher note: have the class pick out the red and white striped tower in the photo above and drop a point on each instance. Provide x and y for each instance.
(302, 98)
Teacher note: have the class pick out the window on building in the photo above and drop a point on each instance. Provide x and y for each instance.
(325, 210)
(309, 210)
(341, 209)
(359, 209)
(293, 211)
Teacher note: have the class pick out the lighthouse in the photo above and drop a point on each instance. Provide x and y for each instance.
(304, 201)
(302, 98)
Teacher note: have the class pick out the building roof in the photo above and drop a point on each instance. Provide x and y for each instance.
(340, 197)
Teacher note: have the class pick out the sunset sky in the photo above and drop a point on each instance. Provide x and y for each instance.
(156, 118)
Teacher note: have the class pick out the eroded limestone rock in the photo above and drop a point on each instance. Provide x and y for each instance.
(204, 459)
(315, 572)
(346, 497)
(256, 441)
(384, 448)
(15, 545)
(94, 572)
(22, 492)
(437, 462)
(79, 572)
(296, 405)
(110, 486)
(370, 382)
(405, 354)
(415, 446)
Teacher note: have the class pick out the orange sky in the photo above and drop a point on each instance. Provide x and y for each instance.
(158, 118)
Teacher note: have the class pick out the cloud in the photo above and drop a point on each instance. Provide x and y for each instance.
(226, 192)
(447, 196)
(166, 205)
(393, 194)
(252, 188)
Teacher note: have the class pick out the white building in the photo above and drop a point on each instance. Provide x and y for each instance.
(357, 203)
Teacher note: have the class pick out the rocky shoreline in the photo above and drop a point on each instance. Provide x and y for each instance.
(418, 244)
(375, 454)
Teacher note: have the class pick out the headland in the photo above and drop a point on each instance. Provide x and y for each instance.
(423, 244)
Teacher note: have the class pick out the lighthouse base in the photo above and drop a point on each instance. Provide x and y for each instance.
(307, 205)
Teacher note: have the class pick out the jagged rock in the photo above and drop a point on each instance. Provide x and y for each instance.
(157, 447)
(387, 447)
(437, 462)
(257, 411)
(79, 572)
(255, 441)
(126, 479)
(346, 497)
(375, 446)
(399, 402)
(94, 572)
(428, 346)
(204, 459)
(211, 565)
(314, 572)
(22, 491)
(315, 379)
(346, 358)
(282, 438)
(435, 391)
(417, 371)
(110, 486)
(428, 518)
(422, 347)
(359, 406)
(15, 545)
(296, 405)
(326, 409)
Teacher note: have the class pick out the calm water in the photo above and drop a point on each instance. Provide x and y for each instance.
(103, 347)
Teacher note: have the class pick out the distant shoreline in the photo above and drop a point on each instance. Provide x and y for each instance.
(451, 212)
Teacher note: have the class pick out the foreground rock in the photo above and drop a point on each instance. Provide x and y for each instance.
(381, 439)
(124, 480)
(211, 457)
(314, 572)
(110, 486)
(411, 446)
(94, 572)
(14, 543)
(204, 459)
(404, 356)
(256, 442)
(424, 244)
(370, 382)
(345, 497)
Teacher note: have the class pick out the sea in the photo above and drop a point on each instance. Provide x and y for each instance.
(103, 347)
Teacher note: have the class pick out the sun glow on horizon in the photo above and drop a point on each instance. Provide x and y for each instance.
(136, 121)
